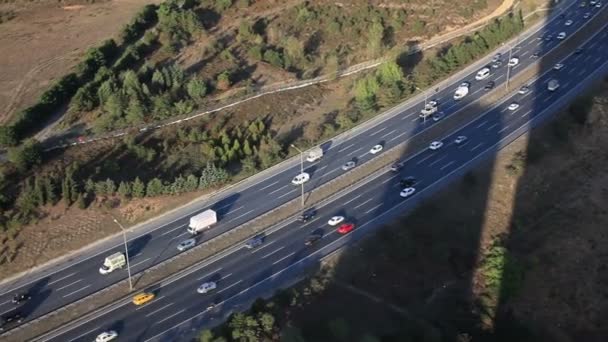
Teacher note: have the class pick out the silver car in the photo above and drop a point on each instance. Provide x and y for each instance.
(349, 165)
(186, 244)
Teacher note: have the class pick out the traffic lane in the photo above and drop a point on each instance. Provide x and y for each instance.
(136, 265)
(246, 260)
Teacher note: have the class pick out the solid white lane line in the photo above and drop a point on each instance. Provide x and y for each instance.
(139, 263)
(346, 148)
(354, 198)
(378, 131)
(226, 276)
(476, 147)
(80, 289)
(503, 129)
(271, 253)
(226, 288)
(363, 155)
(388, 180)
(157, 310)
(481, 124)
(565, 85)
(283, 258)
(8, 301)
(490, 128)
(446, 165)
(70, 284)
(357, 150)
(362, 204)
(321, 168)
(407, 116)
(172, 230)
(269, 185)
(263, 246)
(399, 136)
(423, 159)
(416, 119)
(581, 73)
(60, 279)
(374, 208)
(437, 161)
(209, 274)
(526, 113)
(389, 133)
(175, 314)
(279, 189)
(86, 333)
(156, 300)
(238, 217)
(287, 193)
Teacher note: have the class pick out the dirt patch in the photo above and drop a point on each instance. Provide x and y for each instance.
(44, 41)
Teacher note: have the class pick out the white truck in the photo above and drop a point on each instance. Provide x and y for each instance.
(461, 91)
(202, 221)
(113, 262)
(553, 85)
(314, 154)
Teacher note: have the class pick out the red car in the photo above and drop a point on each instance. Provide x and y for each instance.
(346, 228)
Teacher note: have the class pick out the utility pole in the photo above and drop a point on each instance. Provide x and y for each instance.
(124, 237)
(301, 169)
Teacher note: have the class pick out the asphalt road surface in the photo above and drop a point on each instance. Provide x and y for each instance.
(178, 311)
(77, 280)
(243, 273)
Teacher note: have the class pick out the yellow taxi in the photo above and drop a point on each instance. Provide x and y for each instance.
(143, 298)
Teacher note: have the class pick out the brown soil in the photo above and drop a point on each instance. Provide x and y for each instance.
(44, 41)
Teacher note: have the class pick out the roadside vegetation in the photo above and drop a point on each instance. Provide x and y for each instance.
(135, 81)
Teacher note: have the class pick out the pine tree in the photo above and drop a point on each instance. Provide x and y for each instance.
(81, 201)
(39, 191)
(110, 186)
(124, 189)
(50, 189)
(139, 189)
(247, 148)
(191, 183)
(155, 187)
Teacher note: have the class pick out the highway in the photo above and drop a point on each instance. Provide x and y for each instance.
(79, 279)
(244, 274)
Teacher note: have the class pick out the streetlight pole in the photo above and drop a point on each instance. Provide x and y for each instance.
(301, 169)
(509, 68)
(124, 237)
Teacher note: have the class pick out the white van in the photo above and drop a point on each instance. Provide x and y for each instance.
(483, 73)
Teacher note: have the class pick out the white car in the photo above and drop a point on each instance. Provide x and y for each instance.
(460, 139)
(186, 244)
(524, 90)
(376, 149)
(561, 35)
(513, 61)
(300, 179)
(349, 165)
(106, 336)
(482, 74)
(335, 220)
(558, 66)
(206, 287)
(598, 5)
(568, 22)
(513, 106)
(431, 104)
(407, 192)
(586, 15)
(435, 145)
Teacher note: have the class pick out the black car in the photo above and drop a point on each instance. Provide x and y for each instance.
(307, 215)
(578, 51)
(313, 238)
(535, 55)
(396, 167)
(14, 317)
(407, 182)
(256, 241)
(489, 85)
(20, 297)
(562, 16)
